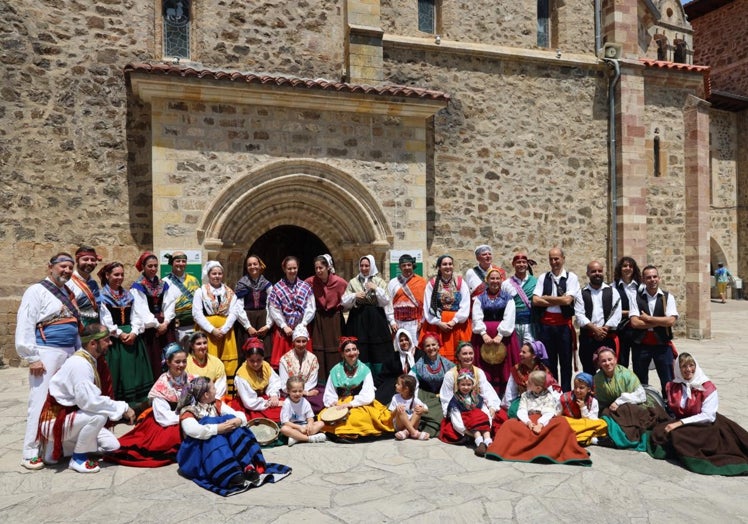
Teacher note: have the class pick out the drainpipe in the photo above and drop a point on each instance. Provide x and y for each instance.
(598, 27)
(612, 167)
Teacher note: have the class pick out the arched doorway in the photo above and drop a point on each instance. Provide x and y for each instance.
(282, 241)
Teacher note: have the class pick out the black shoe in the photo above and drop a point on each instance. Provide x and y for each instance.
(606, 442)
(252, 476)
(480, 451)
(237, 480)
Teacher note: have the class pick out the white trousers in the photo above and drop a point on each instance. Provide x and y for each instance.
(52, 358)
(85, 435)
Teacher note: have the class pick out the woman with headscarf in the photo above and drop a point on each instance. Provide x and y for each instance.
(290, 303)
(155, 440)
(446, 302)
(624, 403)
(252, 294)
(699, 438)
(299, 362)
(400, 362)
(350, 385)
(215, 310)
(258, 386)
(366, 297)
(430, 370)
(327, 326)
(219, 453)
(128, 360)
(148, 293)
(493, 328)
(532, 355)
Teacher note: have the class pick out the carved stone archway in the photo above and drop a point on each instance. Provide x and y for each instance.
(303, 193)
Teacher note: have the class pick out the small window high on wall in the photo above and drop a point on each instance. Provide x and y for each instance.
(427, 16)
(544, 23)
(176, 17)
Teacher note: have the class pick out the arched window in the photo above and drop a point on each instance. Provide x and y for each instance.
(176, 18)
(681, 49)
(661, 43)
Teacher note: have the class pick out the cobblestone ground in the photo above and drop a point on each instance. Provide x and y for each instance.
(388, 481)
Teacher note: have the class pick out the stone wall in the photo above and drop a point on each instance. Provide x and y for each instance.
(722, 43)
(513, 166)
(724, 156)
(742, 195)
(512, 24)
(666, 213)
(301, 38)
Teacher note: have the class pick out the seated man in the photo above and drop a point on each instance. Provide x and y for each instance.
(74, 416)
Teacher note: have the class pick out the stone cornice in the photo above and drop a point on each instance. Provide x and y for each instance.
(381, 101)
(548, 57)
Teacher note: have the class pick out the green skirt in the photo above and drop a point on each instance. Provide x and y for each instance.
(130, 367)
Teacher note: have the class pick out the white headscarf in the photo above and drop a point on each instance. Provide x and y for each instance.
(409, 355)
(208, 266)
(330, 266)
(299, 331)
(696, 382)
(372, 267)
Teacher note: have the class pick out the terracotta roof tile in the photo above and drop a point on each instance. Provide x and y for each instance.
(704, 70)
(162, 68)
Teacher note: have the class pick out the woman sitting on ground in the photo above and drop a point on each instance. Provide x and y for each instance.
(700, 438)
(537, 434)
(430, 370)
(350, 385)
(532, 355)
(624, 404)
(399, 362)
(155, 440)
(302, 363)
(257, 385)
(219, 452)
(200, 363)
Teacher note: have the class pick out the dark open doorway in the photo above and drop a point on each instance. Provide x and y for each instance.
(282, 241)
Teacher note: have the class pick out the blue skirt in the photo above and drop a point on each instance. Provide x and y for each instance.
(213, 463)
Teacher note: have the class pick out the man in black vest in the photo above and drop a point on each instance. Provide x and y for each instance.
(554, 296)
(653, 315)
(598, 310)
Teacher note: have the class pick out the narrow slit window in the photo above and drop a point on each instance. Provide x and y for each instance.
(656, 153)
(427, 16)
(176, 17)
(544, 23)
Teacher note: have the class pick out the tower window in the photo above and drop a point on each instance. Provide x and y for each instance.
(176, 17)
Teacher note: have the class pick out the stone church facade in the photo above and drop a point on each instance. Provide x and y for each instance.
(357, 127)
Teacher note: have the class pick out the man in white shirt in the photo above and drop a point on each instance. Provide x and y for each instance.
(653, 314)
(554, 293)
(47, 327)
(598, 310)
(75, 414)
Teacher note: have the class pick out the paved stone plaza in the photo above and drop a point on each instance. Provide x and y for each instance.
(390, 481)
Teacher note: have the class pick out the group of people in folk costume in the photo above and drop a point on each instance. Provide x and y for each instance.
(485, 359)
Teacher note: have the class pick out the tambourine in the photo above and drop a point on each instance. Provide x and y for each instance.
(334, 415)
(264, 430)
(493, 353)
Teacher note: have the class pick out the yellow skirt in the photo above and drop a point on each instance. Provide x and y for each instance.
(363, 421)
(586, 428)
(225, 349)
